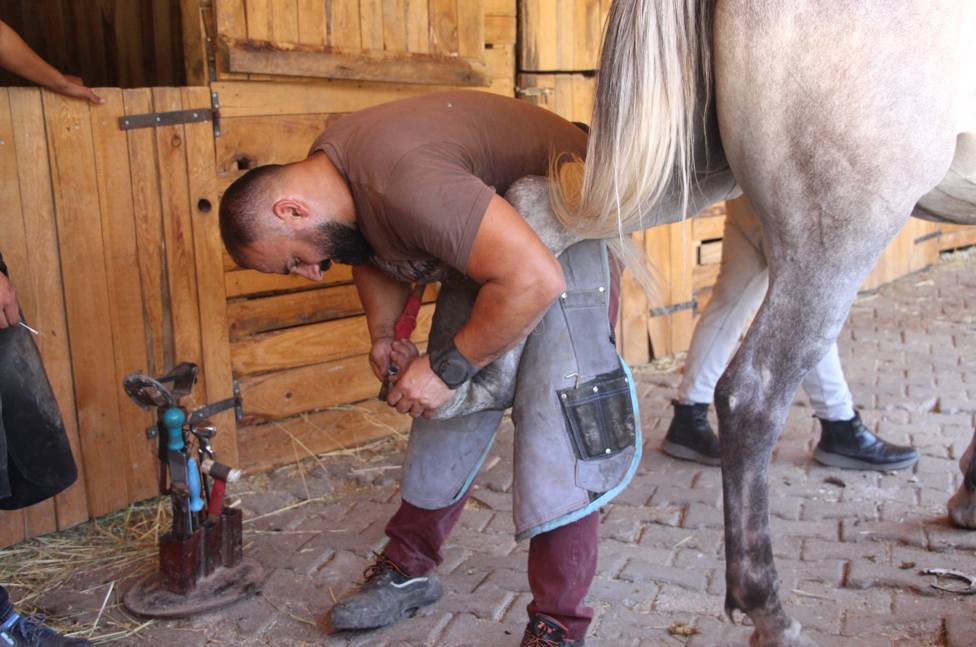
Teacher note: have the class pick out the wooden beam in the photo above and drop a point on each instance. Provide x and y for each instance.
(250, 316)
(249, 99)
(312, 344)
(250, 282)
(265, 57)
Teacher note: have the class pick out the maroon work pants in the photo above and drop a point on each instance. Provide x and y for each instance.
(562, 562)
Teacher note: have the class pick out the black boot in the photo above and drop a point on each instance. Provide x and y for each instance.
(543, 631)
(18, 631)
(849, 444)
(388, 595)
(690, 436)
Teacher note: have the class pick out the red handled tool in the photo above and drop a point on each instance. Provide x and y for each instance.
(403, 328)
(221, 475)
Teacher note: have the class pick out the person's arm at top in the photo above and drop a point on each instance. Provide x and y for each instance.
(16, 56)
(519, 277)
(383, 299)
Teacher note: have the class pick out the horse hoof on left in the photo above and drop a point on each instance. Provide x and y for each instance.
(962, 509)
(791, 637)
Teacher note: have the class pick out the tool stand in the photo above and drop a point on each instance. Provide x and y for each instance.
(201, 559)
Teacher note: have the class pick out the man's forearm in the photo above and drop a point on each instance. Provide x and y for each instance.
(501, 318)
(383, 299)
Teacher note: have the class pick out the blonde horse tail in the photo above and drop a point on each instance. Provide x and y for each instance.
(654, 64)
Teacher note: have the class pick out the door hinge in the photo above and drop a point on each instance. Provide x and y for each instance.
(176, 117)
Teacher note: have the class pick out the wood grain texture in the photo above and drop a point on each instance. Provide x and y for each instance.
(312, 22)
(124, 318)
(253, 99)
(207, 247)
(87, 299)
(266, 57)
(250, 282)
(250, 316)
(443, 27)
(45, 287)
(178, 234)
(148, 221)
(634, 343)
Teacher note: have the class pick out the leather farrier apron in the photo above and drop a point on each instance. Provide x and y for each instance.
(574, 406)
(35, 457)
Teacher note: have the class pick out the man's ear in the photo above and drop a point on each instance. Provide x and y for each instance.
(292, 213)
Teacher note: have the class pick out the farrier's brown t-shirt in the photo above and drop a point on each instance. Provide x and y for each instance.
(423, 170)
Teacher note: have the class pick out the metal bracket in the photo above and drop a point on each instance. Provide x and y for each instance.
(175, 117)
(677, 307)
(234, 403)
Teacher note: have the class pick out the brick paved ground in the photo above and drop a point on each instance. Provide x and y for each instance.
(848, 551)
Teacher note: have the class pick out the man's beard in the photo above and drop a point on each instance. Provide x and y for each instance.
(341, 243)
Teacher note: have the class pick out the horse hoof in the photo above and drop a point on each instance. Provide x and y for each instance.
(962, 509)
(791, 637)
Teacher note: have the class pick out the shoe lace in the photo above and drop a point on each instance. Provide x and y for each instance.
(534, 637)
(33, 630)
(381, 564)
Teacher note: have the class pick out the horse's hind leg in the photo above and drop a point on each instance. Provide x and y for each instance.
(834, 141)
(811, 289)
(962, 505)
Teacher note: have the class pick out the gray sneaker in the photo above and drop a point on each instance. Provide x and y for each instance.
(20, 631)
(388, 595)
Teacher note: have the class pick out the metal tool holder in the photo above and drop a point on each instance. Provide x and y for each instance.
(201, 559)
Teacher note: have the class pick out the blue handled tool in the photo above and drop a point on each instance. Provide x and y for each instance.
(193, 481)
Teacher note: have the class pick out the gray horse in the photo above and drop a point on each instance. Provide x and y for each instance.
(836, 118)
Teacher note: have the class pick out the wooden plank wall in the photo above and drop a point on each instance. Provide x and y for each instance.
(117, 43)
(298, 348)
(401, 41)
(114, 247)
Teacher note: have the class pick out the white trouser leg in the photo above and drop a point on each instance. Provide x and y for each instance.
(737, 293)
(827, 388)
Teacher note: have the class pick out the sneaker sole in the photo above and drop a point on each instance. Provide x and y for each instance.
(687, 454)
(848, 463)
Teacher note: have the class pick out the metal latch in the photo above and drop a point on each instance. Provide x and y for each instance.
(534, 92)
(175, 117)
(677, 307)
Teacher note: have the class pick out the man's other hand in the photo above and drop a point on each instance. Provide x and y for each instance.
(379, 356)
(73, 86)
(419, 391)
(9, 310)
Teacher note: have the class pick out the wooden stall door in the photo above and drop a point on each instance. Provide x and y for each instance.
(400, 41)
(112, 240)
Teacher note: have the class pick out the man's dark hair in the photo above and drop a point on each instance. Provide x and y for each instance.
(238, 212)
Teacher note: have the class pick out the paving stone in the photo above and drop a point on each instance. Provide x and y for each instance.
(639, 571)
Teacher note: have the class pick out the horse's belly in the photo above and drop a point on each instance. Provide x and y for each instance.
(954, 199)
